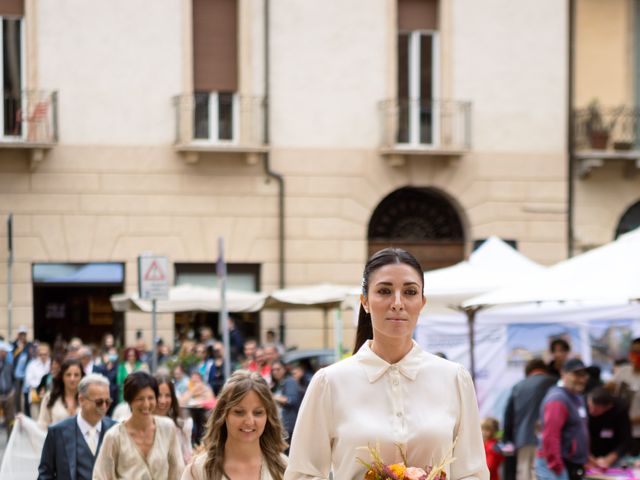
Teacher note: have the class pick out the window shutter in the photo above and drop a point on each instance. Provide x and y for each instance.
(417, 15)
(215, 55)
(12, 7)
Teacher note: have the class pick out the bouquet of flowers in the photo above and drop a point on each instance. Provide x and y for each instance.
(378, 470)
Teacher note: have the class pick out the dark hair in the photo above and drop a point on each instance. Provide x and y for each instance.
(635, 340)
(534, 364)
(137, 381)
(601, 396)
(559, 342)
(272, 442)
(57, 384)
(164, 379)
(378, 260)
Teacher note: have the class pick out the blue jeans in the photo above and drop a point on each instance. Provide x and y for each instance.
(543, 472)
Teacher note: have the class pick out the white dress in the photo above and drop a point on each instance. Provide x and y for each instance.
(49, 416)
(422, 403)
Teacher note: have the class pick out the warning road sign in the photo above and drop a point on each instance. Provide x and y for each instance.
(153, 282)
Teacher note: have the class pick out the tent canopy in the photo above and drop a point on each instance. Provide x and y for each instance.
(494, 264)
(188, 298)
(324, 295)
(610, 273)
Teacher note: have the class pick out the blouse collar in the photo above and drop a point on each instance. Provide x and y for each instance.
(375, 367)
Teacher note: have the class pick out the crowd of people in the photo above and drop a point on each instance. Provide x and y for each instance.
(107, 417)
(42, 382)
(562, 420)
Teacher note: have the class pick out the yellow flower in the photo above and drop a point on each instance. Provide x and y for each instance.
(398, 470)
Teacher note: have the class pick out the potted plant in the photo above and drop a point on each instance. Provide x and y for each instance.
(598, 131)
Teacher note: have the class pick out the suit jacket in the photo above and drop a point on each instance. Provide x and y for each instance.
(58, 458)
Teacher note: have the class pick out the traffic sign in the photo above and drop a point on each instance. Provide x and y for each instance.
(153, 278)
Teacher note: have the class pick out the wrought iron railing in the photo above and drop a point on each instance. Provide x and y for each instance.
(30, 116)
(438, 124)
(219, 118)
(613, 128)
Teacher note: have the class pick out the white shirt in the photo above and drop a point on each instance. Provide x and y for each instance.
(36, 369)
(85, 426)
(422, 403)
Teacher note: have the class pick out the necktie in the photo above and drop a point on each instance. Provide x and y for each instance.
(92, 440)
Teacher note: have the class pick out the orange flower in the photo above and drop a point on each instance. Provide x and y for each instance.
(370, 475)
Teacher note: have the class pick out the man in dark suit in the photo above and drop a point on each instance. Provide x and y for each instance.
(72, 445)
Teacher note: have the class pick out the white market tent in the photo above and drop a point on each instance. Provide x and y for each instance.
(610, 273)
(493, 265)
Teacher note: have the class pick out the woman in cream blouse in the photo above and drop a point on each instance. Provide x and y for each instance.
(244, 437)
(167, 406)
(62, 400)
(143, 447)
(389, 393)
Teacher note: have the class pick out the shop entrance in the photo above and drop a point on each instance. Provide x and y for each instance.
(73, 300)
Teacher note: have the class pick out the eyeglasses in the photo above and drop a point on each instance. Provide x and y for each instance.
(101, 401)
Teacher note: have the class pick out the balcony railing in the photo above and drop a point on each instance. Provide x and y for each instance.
(29, 119)
(602, 134)
(219, 121)
(607, 129)
(441, 126)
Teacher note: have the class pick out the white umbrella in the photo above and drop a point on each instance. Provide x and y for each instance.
(191, 298)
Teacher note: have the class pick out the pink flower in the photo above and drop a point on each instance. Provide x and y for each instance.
(413, 473)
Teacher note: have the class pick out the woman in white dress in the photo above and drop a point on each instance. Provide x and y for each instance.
(144, 447)
(390, 393)
(62, 400)
(167, 406)
(244, 436)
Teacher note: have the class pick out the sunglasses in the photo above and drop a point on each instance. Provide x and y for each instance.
(101, 401)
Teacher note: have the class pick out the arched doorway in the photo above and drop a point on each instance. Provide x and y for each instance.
(630, 220)
(421, 220)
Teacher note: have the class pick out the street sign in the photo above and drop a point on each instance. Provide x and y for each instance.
(153, 279)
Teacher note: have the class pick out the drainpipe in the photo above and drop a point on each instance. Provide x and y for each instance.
(267, 165)
(570, 129)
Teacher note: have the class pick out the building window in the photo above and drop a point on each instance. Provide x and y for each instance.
(12, 76)
(417, 53)
(216, 116)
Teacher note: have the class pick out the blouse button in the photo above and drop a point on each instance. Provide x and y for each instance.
(396, 382)
(399, 414)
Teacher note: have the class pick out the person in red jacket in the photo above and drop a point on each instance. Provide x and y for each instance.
(490, 427)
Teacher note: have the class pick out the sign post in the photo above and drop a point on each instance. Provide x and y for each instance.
(10, 276)
(153, 284)
(221, 273)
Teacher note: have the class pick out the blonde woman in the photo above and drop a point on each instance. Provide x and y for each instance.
(244, 437)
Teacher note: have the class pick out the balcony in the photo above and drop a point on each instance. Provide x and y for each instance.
(606, 135)
(213, 124)
(425, 128)
(29, 121)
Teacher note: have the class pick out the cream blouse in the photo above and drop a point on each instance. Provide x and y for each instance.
(57, 412)
(120, 457)
(422, 403)
(195, 470)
